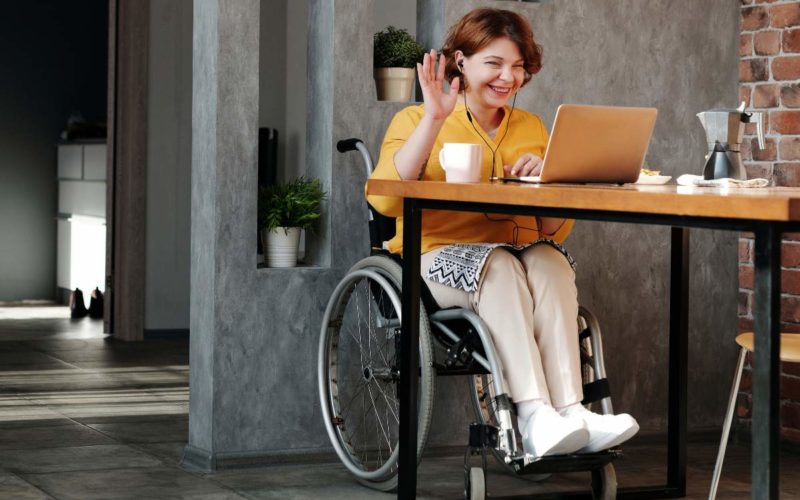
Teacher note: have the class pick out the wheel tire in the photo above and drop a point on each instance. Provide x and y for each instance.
(476, 486)
(372, 286)
(604, 483)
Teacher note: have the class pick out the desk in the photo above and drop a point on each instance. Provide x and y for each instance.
(768, 213)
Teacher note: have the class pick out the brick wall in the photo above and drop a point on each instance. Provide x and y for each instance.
(769, 81)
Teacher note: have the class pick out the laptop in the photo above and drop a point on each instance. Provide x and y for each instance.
(605, 144)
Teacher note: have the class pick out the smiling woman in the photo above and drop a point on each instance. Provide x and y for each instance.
(511, 270)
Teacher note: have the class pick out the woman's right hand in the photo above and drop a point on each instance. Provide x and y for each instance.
(438, 104)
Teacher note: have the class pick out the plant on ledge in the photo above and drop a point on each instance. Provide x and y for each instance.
(283, 211)
(395, 56)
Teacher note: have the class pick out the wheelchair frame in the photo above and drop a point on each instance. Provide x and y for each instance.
(470, 351)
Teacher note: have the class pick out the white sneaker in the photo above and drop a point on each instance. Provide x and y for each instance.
(548, 433)
(605, 431)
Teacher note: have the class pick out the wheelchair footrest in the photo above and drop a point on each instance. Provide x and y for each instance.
(574, 462)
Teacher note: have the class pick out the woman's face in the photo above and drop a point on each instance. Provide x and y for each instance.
(494, 74)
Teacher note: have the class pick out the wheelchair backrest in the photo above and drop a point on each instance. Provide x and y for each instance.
(381, 228)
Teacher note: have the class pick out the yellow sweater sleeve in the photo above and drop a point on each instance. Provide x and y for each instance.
(403, 124)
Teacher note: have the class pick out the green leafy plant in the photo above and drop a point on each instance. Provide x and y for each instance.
(395, 48)
(294, 204)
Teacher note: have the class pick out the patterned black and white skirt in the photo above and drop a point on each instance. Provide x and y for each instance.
(459, 265)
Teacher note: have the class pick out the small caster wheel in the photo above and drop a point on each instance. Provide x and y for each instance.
(604, 483)
(476, 485)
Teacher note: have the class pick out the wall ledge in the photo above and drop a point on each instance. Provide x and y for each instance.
(198, 460)
(263, 269)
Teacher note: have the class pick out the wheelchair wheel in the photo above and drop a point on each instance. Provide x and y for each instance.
(484, 405)
(604, 483)
(359, 373)
(476, 485)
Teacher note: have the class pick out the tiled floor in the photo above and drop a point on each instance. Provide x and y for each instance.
(85, 417)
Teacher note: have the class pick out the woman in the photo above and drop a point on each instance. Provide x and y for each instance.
(511, 270)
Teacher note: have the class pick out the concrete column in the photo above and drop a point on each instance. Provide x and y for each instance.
(430, 23)
(224, 170)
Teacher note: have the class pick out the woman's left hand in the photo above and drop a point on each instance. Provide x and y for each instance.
(527, 165)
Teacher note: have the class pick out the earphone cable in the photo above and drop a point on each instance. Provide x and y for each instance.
(505, 131)
(517, 227)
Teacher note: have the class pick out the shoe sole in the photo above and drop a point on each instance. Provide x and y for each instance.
(629, 433)
(624, 436)
(570, 443)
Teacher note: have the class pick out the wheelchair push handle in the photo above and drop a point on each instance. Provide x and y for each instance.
(356, 144)
(346, 145)
(381, 228)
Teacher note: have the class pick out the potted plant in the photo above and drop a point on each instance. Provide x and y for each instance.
(283, 211)
(395, 57)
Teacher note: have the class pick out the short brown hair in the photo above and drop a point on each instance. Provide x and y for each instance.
(480, 27)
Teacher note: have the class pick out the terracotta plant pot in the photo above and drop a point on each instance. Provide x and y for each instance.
(394, 84)
(281, 246)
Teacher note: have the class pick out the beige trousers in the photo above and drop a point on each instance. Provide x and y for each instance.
(530, 304)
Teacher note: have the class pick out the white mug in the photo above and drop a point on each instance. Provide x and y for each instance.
(461, 161)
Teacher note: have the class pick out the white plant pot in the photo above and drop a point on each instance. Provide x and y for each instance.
(281, 246)
(394, 84)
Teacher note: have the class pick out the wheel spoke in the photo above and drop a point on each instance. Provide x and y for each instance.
(355, 395)
(385, 434)
(362, 326)
(352, 433)
(388, 403)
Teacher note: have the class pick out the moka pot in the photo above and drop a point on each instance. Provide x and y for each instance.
(724, 131)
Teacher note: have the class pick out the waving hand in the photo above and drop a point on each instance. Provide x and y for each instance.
(438, 103)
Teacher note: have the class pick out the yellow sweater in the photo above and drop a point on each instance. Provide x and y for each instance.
(526, 134)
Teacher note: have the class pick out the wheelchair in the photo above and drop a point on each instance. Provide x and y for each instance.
(358, 376)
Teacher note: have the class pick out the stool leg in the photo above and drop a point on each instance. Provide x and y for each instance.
(726, 427)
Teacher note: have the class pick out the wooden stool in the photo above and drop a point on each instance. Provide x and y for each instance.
(790, 353)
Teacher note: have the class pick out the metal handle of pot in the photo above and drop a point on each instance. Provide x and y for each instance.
(760, 130)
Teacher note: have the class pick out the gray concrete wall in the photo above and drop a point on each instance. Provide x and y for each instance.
(53, 60)
(169, 149)
(397, 13)
(255, 332)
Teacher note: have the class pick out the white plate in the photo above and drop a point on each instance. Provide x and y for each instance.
(653, 179)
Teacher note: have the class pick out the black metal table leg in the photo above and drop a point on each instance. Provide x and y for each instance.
(409, 346)
(678, 353)
(766, 365)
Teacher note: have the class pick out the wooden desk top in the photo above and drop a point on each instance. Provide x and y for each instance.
(769, 204)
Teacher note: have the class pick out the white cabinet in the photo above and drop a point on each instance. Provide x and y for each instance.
(81, 179)
(70, 161)
(81, 216)
(94, 162)
(82, 162)
(82, 198)
(64, 250)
